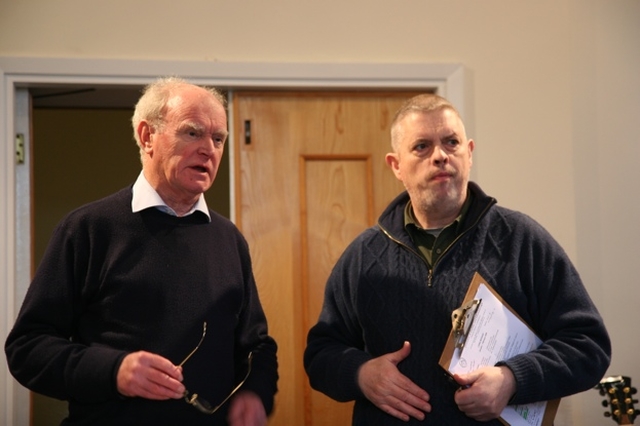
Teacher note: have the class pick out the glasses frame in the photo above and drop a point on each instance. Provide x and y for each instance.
(199, 403)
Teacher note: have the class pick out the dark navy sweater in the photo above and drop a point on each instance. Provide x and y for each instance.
(113, 282)
(382, 292)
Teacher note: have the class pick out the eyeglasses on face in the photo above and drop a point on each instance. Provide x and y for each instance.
(201, 404)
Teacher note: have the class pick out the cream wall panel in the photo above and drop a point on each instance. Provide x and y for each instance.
(518, 54)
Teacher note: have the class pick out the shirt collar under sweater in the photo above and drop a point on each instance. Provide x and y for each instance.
(391, 221)
(144, 197)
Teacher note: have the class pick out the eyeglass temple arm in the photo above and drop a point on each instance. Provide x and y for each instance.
(204, 332)
(193, 399)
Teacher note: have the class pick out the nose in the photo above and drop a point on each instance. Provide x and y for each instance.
(207, 147)
(440, 156)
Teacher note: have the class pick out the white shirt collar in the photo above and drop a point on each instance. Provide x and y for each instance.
(144, 197)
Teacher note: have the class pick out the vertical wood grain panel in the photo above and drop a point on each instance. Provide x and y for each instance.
(312, 178)
(335, 206)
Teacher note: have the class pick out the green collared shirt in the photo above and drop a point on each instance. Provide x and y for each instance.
(433, 242)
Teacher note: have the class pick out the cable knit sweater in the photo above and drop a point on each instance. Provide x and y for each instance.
(382, 292)
(113, 282)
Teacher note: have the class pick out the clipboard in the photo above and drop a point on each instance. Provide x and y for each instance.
(467, 345)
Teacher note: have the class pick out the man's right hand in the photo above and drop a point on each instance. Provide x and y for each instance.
(150, 376)
(391, 391)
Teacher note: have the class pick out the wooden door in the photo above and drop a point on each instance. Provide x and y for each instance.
(310, 176)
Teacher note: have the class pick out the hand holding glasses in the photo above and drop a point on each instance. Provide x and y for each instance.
(193, 398)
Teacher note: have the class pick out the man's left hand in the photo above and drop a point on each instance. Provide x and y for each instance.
(485, 392)
(246, 409)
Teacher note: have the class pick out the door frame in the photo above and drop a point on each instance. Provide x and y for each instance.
(447, 79)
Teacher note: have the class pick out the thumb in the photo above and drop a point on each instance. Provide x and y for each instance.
(466, 380)
(402, 353)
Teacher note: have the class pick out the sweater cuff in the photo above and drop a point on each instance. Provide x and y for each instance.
(527, 391)
(94, 377)
(349, 389)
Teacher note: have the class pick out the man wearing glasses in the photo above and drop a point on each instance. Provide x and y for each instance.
(144, 309)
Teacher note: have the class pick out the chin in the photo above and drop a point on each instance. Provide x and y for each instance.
(199, 185)
(439, 200)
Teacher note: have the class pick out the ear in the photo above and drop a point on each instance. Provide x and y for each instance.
(472, 145)
(144, 132)
(394, 163)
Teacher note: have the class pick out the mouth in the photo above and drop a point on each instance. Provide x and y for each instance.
(441, 176)
(200, 169)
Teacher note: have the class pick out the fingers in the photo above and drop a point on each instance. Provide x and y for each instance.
(486, 392)
(404, 409)
(391, 391)
(150, 376)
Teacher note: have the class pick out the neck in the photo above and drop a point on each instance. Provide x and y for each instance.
(435, 218)
(437, 223)
(180, 206)
(180, 202)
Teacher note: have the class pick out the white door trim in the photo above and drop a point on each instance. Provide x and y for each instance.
(449, 80)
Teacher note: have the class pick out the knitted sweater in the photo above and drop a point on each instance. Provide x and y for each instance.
(113, 282)
(382, 292)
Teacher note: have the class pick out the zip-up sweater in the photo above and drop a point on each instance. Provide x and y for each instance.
(114, 282)
(382, 292)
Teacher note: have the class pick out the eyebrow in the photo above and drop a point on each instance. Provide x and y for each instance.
(190, 125)
(452, 135)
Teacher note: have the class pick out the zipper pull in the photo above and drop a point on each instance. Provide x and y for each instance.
(429, 280)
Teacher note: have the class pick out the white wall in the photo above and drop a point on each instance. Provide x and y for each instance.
(554, 87)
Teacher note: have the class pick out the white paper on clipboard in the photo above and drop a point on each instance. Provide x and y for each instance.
(495, 333)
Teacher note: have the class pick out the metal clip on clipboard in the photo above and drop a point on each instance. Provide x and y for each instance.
(461, 320)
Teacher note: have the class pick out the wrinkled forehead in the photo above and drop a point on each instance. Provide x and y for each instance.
(191, 95)
(192, 104)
